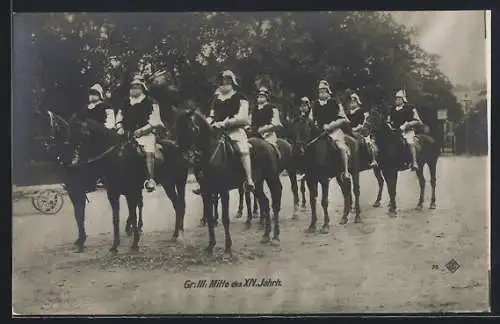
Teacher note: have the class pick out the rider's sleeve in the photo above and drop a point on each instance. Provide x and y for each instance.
(155, 117)
(110, 119)
(275, 121)
(242, 117)
(366, 114)
(119, 119)
(416, 116)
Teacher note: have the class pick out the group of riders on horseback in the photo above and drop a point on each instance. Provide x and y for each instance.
(230, 110)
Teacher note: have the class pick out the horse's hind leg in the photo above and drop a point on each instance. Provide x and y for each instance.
(276, 192)
(255, 205)
(172, 196)
(225, 221)
(356, 189)
(114, 200)
(380, 180)
(421, 182)
(264, 209)
(295, 190)
(79, 201)
(391, 178)
(248, 203)
(132, 202)
(432, 170)
(215, 204)
(303, 193)
(140, 206)
(325, 188)
(241, 193)
(208, 216)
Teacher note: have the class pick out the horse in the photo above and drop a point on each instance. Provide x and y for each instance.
(320, 163)
(244, 197)
(117, 156)
(219, 170)
(395, 155)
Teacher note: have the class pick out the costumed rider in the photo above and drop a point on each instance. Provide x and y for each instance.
(231, 111)
(357, 116)
(266, 119)
(96, 110)
(405, 118)
(329, 115)
(140, 116)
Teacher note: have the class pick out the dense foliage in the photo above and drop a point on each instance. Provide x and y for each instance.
(57, 56)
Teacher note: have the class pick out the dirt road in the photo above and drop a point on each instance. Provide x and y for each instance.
(382, 265)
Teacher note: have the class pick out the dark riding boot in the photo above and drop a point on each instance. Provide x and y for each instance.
(414, 165)
(150, 184)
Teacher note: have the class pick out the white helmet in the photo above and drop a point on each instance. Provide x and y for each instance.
(323, 84)
(97, 88)
(354, 96)
(401, 94)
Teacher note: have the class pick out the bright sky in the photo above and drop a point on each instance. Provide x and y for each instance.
(457, 36)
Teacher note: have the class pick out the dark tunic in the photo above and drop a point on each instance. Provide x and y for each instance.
(399, 117)
(357, 117)
(137, 116)
(326, 114)
(263, 116)
(98, 113)
(227, 108)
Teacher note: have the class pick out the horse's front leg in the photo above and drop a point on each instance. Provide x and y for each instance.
(172, 196)
(380, 181)
(133, 199)
(432, 171)
(208, 216)
(295, 191)
(391, 178)
(140, 206)
(356, 190)
(225, 222)
(345, 187)
(241, 193)
(114, 200)
(421, 183)
(79, 201)
(325, 188)
(312, 184)
(215, 204)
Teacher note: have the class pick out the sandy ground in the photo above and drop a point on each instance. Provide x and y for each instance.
(382, 265)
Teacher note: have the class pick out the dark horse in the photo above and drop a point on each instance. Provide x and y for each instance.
(219, 170)
(112, 158)
(320, 163)
(395, 156)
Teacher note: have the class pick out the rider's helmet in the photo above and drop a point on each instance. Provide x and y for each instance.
(228, 74)
(401, 94)
(323, 84)
(97, 90)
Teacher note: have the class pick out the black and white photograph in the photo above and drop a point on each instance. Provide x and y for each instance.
(321, 162)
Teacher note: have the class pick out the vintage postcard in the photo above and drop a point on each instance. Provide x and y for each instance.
(251, 163)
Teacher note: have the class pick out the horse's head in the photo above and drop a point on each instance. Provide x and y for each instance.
(53, 134)
(301, 132)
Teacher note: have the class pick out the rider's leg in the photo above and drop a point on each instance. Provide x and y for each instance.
(273, 140)
(410, 139)
(371, 151)
(148, 142)
(339, 139)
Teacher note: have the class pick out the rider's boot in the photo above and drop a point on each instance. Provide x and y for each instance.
(150, 184)
(247, 166)
(345, 161)
(373, 155)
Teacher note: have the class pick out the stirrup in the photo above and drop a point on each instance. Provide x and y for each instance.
(248, 187)
(150, 185)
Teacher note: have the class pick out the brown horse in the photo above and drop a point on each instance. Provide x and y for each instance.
(219, 170)
(395, 155)
(321, 163)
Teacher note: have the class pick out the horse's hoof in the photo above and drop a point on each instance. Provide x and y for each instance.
(343, 221)
(275, 242)
(325, 229)
(376, 204)
(134, 248)
(203, 223)
(238, 215)
(209, 250)
(295, 216)
(264, 240)
(432, 206)
(113, 249)
(310, 229)
(392, 213)
(419, 208)
(79, 249)
(248, 225)
(227, 256)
